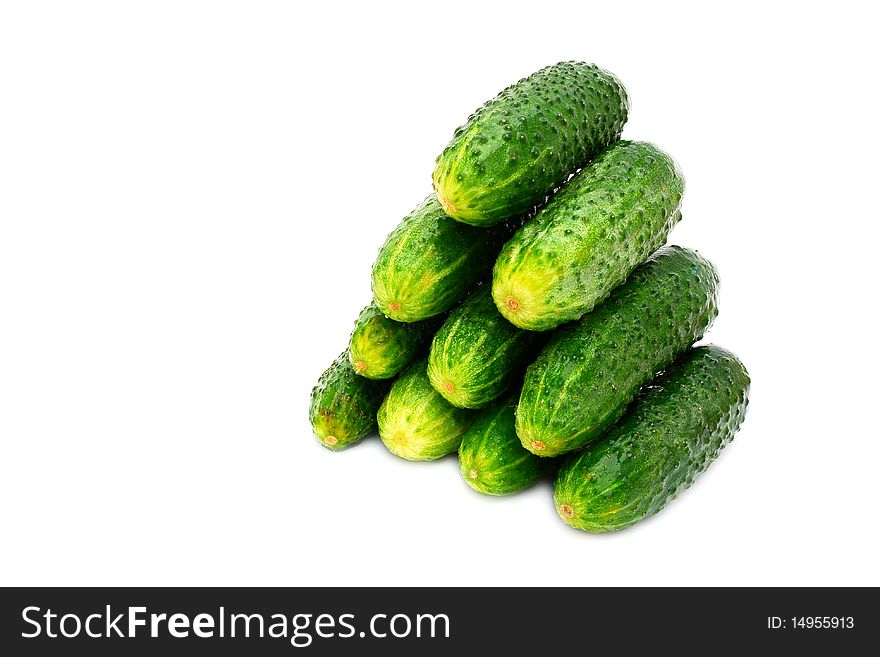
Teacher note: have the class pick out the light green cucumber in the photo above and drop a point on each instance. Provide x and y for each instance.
(589, 237)
(476, 354)
(381, 348)
(415, 422)
(430, 261)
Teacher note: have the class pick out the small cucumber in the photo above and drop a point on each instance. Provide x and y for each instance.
(343, 405)
(491, 458)
(671, 434)
(476, 354)
(589, 237)
(582, 381)
(430, 261)
(381, 348)
(526, 141)
(415, 422)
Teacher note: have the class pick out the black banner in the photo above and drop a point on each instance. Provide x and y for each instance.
(431, 621)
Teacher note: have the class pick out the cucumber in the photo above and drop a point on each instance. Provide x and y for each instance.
(380, 348)
(490, 457)
(670, 435)
(476, 353)
(415, 422)
(582, 381)
(528, 140)
(604, 223)
(343, 405)
(430, 261)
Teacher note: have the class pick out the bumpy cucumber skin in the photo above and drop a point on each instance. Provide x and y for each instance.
(527, 140)
(491, 458)
(476, 354)
(604, 223)
(671, 434)
(430, 261)
(380, 348)
(582, 381)
(343, 405)
(415, 422)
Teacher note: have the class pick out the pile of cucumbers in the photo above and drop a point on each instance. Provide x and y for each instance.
(528, 315)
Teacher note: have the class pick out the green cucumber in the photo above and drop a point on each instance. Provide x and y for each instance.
(343, 405)
(604, 223)
(582, 381)
(491, 458)
(430, 261)
(476, 353)
(671, 434)
(381, 348)
(529, 139)
(415, 422)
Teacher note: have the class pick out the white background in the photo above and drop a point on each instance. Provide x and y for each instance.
(192, 195)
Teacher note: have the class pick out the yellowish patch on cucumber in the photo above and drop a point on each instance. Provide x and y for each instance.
(330, 440)
(538, 445)
(566, 510)
(512, 303)
(446, 204)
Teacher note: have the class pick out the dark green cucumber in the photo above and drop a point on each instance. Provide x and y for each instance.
(672, 432)
(491, 458)
(381, 348)
(343, 405)
(476, 354)
(527, 140)
(582, 381)
(430, 261)
(415, 422)
(589, 237)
